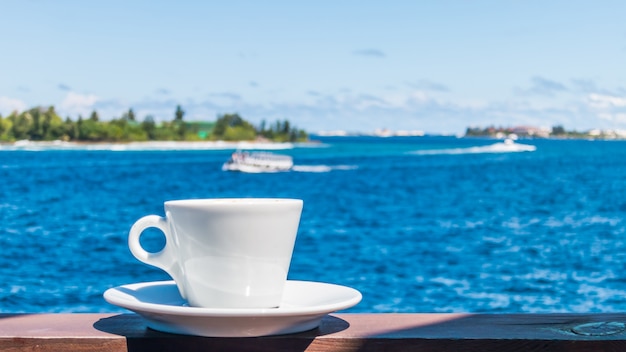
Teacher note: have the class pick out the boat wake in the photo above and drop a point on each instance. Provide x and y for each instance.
(508, 146)
(321, 168)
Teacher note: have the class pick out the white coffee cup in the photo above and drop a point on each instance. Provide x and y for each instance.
(224, 253)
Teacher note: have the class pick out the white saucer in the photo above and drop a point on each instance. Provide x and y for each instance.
(304, 305)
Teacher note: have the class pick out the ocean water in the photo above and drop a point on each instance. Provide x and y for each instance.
(417, 224)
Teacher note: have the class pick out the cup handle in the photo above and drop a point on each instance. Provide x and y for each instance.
(165, 259)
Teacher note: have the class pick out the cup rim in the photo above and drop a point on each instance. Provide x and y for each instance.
(231, 201)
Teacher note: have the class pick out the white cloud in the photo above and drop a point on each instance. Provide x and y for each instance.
(617, 117)
(608, 108)
(428, 110)
(8, 105)
(419, 96)
(78, 104)
(541, 87)
(424, 84)
(600, 101)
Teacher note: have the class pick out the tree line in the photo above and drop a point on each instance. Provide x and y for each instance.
(555, 131)
(44, 124)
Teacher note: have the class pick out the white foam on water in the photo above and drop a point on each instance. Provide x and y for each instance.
(15, 289)
(599, 292)
(311, 168)
(593, 278)
(501, 147)
(574, 222)
(322, 168)
(458, 285)
(345, 167)
(493, 300)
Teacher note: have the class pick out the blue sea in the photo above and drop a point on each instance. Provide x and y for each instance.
(416, 224)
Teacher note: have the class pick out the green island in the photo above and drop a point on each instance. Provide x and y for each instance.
(44, 124)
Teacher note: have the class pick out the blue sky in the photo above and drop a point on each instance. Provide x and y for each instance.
(435, 66)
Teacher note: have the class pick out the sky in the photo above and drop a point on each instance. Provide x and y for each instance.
(434, 66)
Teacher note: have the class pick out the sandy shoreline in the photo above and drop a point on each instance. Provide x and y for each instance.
(151, 145)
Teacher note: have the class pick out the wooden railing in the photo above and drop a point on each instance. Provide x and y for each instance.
(338, 332)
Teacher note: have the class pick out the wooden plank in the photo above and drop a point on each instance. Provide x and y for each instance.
(338, 332)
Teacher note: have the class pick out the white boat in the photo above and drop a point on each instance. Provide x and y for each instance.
(258, 162)
(509, 145)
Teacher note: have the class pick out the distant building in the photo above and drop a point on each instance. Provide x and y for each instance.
(510, 132)
(384, 132)
(336, 133)
(610, 134)
(530, 131)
